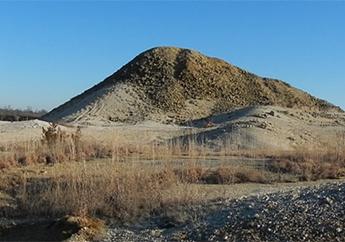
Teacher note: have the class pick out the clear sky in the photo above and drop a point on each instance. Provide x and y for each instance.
(51, 51)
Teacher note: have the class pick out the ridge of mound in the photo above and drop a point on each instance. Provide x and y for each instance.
(169, 84)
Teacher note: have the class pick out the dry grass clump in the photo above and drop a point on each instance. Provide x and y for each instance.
(311, 163)
(24, 153)
(244, 175)
(308, 170)
(55, 146)
(232, 175)
(190, 173)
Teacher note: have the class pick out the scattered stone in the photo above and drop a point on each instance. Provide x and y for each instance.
(296, 215)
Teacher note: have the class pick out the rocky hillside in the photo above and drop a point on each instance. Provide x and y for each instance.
(169, 84)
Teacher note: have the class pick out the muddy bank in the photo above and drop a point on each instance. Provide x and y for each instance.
(68, 228)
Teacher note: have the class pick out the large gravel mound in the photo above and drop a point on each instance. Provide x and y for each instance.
(169, 84)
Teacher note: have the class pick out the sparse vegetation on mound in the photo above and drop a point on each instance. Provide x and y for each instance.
(171, 76)
(183, 85)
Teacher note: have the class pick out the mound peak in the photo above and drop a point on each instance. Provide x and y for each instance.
(170, 84)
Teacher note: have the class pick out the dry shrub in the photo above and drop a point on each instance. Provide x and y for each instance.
(231, 175)
(60, 145)
(55, 146)
(308, 169)
(222, 175)
(250, 175)
(190, 173)
(312, 163)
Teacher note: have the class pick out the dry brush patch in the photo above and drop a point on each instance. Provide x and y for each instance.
(117, 190)
(313, 163)
(124, 191)
(310, 164)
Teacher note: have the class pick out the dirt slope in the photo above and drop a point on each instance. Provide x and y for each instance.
(169, 84)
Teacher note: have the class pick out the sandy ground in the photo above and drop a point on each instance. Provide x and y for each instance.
(271, 127)
(21, 131)
(261, 127)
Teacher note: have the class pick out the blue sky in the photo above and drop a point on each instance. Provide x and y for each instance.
(51, 51)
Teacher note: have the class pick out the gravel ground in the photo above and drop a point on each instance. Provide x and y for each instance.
(302, 214)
